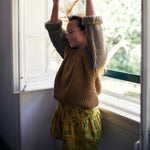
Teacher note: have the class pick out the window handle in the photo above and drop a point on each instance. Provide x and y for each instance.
(137, 145)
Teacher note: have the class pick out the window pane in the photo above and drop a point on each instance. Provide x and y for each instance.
(54, 59)
(124, 89)
(36, 12)
(34, 45)
(122, 30)
(36, 54)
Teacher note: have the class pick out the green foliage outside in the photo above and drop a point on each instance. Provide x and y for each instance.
(122, 31)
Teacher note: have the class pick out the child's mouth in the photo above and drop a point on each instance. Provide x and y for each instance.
(70, 42)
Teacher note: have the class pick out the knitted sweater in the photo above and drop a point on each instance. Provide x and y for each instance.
(77, 81)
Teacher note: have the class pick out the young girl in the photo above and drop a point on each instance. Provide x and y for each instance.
(77, 120)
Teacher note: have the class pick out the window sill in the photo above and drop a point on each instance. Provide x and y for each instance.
(121, 106)
(113, 103)
(119, 111)
(114, 108)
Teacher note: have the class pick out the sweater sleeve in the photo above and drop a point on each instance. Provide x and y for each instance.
(57, 36)
(95, 47)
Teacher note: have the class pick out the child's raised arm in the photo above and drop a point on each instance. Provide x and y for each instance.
(95, 47)
(55, 30)
(89, 8)
(55, 11)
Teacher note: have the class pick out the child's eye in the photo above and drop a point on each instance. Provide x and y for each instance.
(70, 32)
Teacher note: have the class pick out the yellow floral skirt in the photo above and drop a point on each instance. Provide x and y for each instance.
(78, 128)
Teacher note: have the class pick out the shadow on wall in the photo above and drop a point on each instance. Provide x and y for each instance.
(3, 145)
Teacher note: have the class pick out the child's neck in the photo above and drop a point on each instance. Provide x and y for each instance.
(83, 44)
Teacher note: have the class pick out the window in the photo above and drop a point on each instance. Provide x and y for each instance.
(31, 76)
(38, 61)
(122, 28)
(121, 80)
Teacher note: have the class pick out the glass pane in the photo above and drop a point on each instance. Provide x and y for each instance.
(122, 30)
(36, 12)
(122, 88)
(42, 61)
(36, 54)
(54, 59)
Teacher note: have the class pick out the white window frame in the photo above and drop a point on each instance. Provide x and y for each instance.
(19, 58)
(145, 79)
(22, 80)
(15, 53)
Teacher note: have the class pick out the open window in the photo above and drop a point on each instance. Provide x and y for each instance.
(36, 61)
(121, 83)
(34, 57)
(122, 30)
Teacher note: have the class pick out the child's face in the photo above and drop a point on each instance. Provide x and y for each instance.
(75, 36)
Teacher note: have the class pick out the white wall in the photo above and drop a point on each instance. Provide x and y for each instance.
(36, 114)
(25, 119)
(9, 103)
(119, 133)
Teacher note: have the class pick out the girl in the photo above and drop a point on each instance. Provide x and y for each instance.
(77, 120)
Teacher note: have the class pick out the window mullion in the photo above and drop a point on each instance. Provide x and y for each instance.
(122, 75)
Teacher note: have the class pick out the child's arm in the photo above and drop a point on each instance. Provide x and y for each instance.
(89, 8)
(56, 33)
(95, 48)
(55, 11)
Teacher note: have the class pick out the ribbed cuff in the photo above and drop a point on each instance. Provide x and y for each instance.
(53, 25)
(92, 20)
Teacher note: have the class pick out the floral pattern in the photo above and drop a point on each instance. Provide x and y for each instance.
(78, 128)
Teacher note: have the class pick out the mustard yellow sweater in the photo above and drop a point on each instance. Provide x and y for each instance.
(78, 79)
